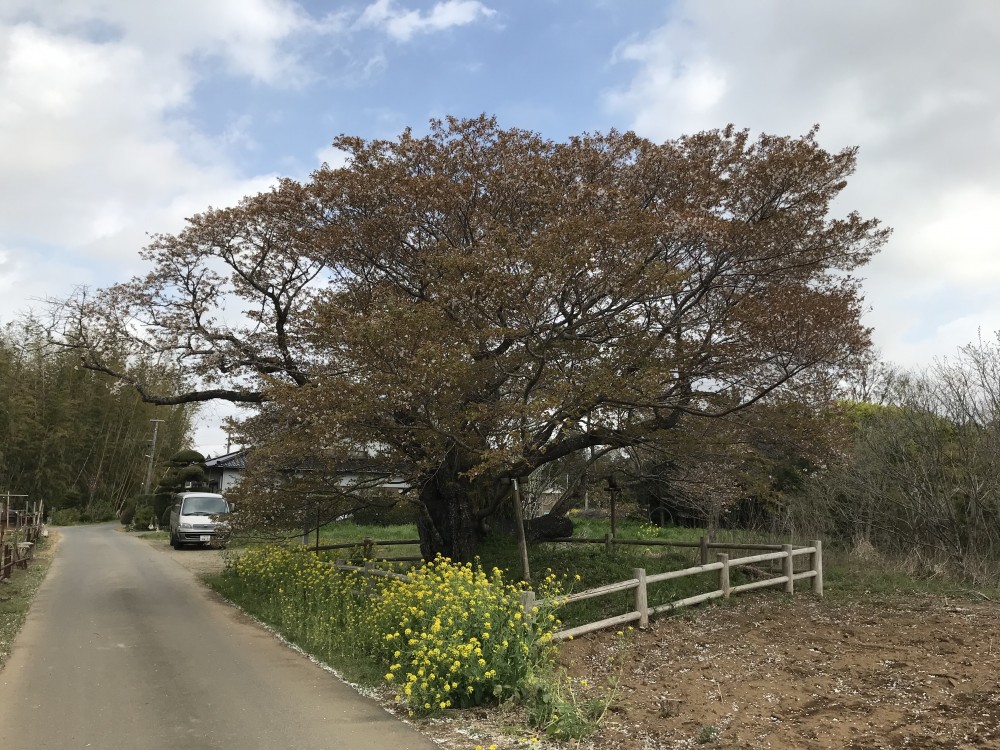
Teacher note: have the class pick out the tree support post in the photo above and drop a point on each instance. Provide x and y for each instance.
(522, 542)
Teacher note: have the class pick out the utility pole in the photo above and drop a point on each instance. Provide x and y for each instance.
(152, 454)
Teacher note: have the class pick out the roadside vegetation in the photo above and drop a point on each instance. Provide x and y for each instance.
(17, 593)
(448, 636)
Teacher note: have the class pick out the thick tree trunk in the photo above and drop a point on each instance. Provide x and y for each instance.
(448, 526)
(454, 505)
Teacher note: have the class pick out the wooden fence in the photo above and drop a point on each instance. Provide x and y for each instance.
(640, 582)
(19, 530)
(703, 545)
(366, 548)
(784, 554)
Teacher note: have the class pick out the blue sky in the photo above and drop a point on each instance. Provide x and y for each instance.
(365, 80)
(119, 118)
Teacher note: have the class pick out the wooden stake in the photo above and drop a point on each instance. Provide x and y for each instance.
(528, 604)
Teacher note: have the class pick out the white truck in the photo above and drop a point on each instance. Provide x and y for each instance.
(198, 518)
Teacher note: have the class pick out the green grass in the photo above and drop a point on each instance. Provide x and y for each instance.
(339, 532)
(594, 527)
(354, 666)
(348, 531)
(18, 592)
(845, 577)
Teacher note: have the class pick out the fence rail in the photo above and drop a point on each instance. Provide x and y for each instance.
(703, 545)
(367, 548)
(366, 543)
(724, 565)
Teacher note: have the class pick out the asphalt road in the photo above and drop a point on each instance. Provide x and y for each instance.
(124, 648)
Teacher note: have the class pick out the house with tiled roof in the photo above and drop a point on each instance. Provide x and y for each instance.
(225, 471)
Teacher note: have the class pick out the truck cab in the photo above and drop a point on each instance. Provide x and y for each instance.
(198, 518)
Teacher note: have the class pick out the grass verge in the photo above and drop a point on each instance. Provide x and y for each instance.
(17, 593)
(352, 665)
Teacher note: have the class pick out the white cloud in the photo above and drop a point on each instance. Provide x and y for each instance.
(98, 153)
(95, 147)
(912, 83)
(403, 24)
(248, 36)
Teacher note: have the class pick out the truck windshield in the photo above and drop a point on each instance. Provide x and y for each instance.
(206, 505)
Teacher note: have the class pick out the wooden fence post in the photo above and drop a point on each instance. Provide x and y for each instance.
(528, 604)
(609, 543)
(724, 574)
(817, 565)
(788, 568)
(368, 548)
(641, 601)
(703, 546)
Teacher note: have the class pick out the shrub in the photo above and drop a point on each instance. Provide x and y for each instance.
(101, 511)
(143, 515)
(456, 637)
(66, 516)
(127, 515)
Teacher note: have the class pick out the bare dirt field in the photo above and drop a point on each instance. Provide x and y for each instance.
(917, 672)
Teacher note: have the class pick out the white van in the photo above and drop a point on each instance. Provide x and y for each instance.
(195, 519)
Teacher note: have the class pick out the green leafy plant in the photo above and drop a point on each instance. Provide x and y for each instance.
(568, 708)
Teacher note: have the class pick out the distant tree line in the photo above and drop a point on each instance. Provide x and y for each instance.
(71, 437)
(919, 476)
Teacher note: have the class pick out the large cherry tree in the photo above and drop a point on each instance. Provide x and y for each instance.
(476, 303)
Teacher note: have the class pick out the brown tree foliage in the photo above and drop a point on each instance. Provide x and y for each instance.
(227, 299)
(474, 304)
